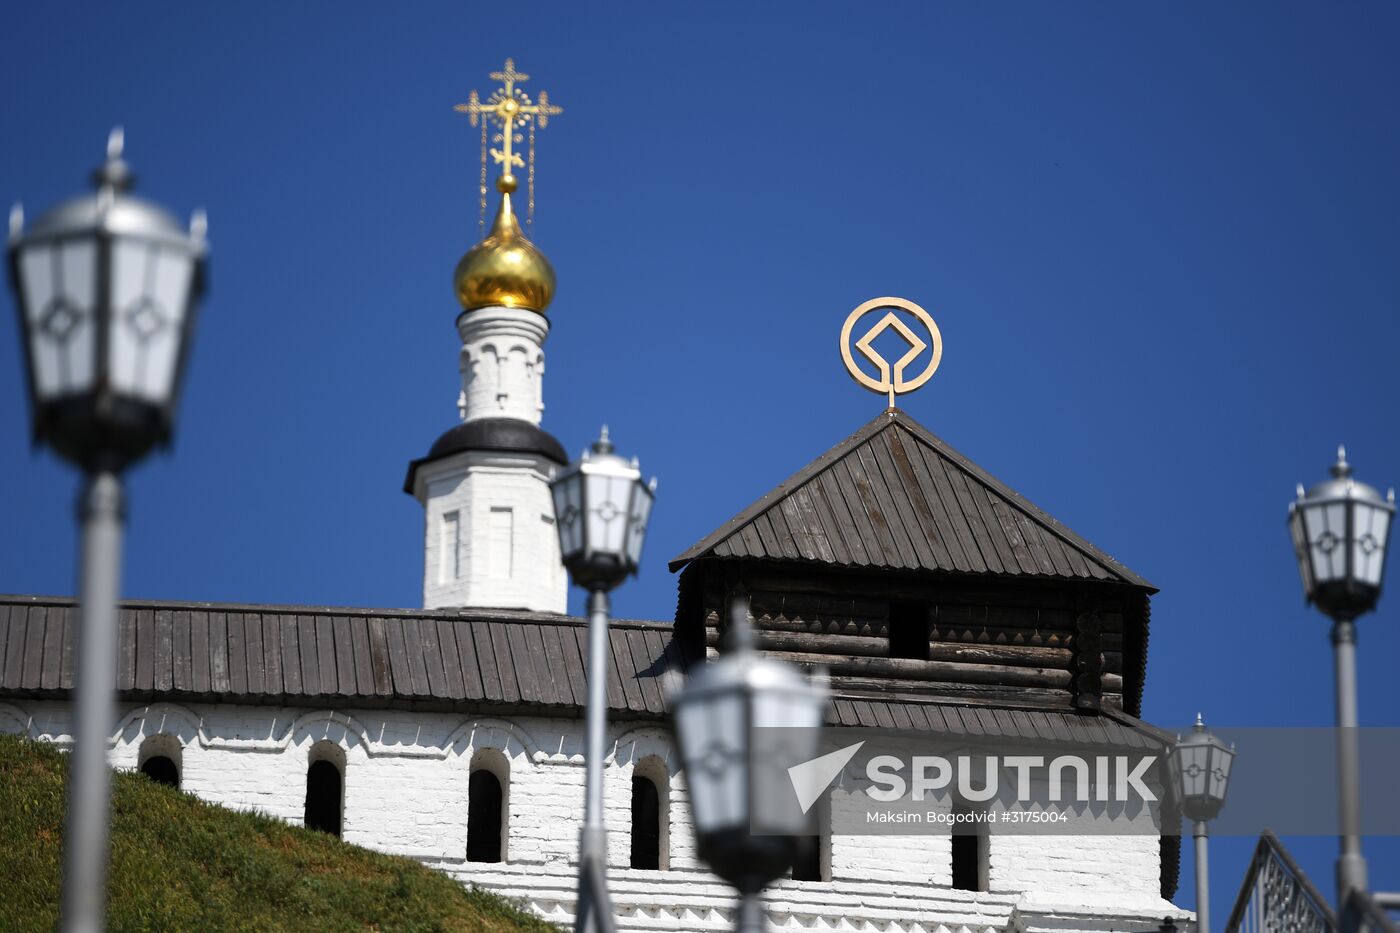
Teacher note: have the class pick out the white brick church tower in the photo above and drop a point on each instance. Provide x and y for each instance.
(489, 540)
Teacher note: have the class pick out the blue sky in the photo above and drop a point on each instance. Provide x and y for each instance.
(1159, 240)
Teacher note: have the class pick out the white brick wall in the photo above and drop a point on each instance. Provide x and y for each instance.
(488, 537)
(503, 526)
(406, 777)
(502, 363)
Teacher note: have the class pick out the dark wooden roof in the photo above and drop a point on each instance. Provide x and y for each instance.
(366, 657)
(981, 720)
(895, 496)
(438, 660)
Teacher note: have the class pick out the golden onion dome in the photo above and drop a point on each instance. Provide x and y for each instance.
(505, 269)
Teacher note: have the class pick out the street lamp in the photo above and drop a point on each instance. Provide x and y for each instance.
(1340, 529)
(743, 839)
(107, 286)
(1199, 765)
(601, 508)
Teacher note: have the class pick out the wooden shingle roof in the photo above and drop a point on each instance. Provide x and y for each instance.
(299, 655)
(987, 722)
(895, 496)
(438, 660)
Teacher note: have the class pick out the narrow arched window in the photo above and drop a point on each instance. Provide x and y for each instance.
(970, 861)
(812, 861)
(646, 824)
(324, 796)
(161, 770)
(159, 759)
(651, 805)
(484, 811)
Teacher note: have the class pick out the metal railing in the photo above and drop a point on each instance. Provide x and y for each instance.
(1366, 913)
(1277, 897)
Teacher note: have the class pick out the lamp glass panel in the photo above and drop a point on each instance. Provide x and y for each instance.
(637, 526)
(150, 291)
(1323, 541)
(620, 491)
(568, 512)
(1221, 759)
(1336, 545)
(1372, 525)
(75, 304)
(607, 512)
(58, 284)
(170, 290)
(713, 737)
(1300, 548)
(1195, 760)
(595, 490)
(573, 495)
(130, 264)
(36, 281)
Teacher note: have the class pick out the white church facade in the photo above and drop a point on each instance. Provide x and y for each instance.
(940, 601)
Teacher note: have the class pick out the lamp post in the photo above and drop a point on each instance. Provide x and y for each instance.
(744, 841)
(601, 508)
(1199, 765)
(1340, 529)
(107, 286)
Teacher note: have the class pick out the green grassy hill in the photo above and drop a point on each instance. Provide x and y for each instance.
(181, 864)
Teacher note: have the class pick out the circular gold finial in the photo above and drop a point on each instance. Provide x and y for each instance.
(507, 183)
(892, 380)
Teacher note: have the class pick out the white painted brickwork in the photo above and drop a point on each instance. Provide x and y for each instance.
(502, 364)
(488, 535)
(496, 508)
(406, 777)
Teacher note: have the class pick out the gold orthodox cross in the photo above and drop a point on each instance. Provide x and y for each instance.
(508, 106)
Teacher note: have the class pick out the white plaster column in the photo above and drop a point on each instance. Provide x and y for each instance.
(489, 538)
(502, 364)
(490, 541)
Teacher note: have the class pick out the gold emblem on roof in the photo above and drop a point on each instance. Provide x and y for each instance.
(892, 379)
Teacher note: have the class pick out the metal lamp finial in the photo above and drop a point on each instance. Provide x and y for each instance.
(603, 445)
(1341, 469)
(114, 174)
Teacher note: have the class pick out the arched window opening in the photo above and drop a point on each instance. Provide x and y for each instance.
(651, 814)
(646, 824)
(161, 770)
(484, 812)
(160, 759)
(813, 859)
(325, 789)
(969, 849)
